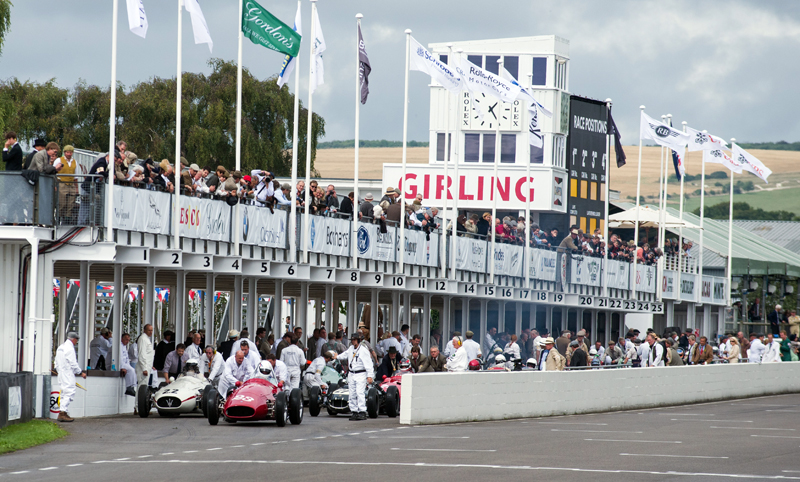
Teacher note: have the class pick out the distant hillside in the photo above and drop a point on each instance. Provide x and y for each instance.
(362, 143)
(772, 146)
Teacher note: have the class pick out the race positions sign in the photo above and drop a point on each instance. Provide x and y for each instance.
(586, 161)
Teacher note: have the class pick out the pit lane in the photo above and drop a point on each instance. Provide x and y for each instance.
(755, 439)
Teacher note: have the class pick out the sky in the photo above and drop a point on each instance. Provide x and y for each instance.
(730, 67)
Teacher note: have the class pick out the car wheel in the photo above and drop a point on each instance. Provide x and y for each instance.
(332, 412)
(212, 412)
(372, 403)
(143, 399)
(392, 401)
(281, 410)
(205, 401)
(296, 406)
(313, 401)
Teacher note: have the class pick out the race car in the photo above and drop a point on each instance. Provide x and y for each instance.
(259, 398)
(382, 397)
(317, 397)
(186, 394)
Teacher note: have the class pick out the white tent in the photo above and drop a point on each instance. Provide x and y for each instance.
(648, 218)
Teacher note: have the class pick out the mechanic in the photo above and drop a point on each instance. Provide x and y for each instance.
(145, 373)
(359, 373)
(173, 364)
(99, 349)
(237, 345)
(213, 365)
(226, 347)
(473, 347)
(125, 366)
(404, 342)
(250, 355)
(313, 375)
(295, 359)
(415, 341)
(195, 350)
(550, 359)
(281, 372)
(67, 367)
(459, 360)
(236, 369)
(489, 340)
(389, 364)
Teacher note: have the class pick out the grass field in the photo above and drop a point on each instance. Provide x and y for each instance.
(29, 434)
(778, 200)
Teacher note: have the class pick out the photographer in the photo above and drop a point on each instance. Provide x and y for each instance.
(331, 200)
(264, 191)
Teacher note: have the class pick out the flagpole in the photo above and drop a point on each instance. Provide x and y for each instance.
(446, 178)
(402, 200)
(702, 207)
(730, 229)
(311, 71)
(295, 128)
(179, 94)
(605, 221)
(454, 253)
(528, 221)
(680, 209)
(494, 180)
(237, 213)
(355, 161)
(666, 155)
(112, 124)
(638, 193)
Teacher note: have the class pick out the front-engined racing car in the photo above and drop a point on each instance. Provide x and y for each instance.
(186, 394)
(259, 398)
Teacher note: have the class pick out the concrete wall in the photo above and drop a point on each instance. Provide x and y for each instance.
(103, 396)
(460, 397)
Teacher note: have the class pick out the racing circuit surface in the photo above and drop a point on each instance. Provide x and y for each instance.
(754, 439)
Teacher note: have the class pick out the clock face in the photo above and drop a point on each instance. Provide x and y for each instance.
(484, 112)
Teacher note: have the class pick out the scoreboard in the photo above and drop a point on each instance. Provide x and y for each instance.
(586, 163)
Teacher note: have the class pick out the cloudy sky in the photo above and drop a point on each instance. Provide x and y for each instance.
(730, 67)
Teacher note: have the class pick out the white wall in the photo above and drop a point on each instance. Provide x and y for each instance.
(458, 397)
(103, 396)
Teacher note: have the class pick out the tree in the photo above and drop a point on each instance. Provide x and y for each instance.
(146, 118)
(5, 20)
(742, 210)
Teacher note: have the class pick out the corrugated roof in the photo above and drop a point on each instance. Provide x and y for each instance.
(782, 233)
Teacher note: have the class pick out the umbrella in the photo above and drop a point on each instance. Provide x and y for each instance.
(648, 218)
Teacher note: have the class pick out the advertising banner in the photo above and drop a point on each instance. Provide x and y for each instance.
(543, 264)
(508, 260)
(688, 287)
(471, 254)
(329, 235)
(618, 277)
(420, 248)
(372, 244)
(205, 218)
(260, 227)
(645, 278)
(705, 289)
(142, 210)
(586, 270)
(669, 285)
(719, 291)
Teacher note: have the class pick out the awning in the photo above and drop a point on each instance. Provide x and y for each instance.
(648, 218)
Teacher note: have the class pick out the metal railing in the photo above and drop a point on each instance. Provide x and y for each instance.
(79, 200)
(26, 202)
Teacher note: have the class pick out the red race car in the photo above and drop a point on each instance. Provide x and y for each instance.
(384, 397)
(258, 398)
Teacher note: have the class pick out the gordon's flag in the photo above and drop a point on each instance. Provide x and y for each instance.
(289, 62)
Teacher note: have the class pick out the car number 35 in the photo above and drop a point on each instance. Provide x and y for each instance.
(243, 398)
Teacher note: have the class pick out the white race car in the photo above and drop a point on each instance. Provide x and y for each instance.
(186, 394)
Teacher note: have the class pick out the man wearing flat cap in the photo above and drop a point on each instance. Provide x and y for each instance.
(568, 243)
(66, 364)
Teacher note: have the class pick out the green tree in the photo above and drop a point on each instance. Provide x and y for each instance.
(742, 210)
(5, 20)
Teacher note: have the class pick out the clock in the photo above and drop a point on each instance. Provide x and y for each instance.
(484, 112)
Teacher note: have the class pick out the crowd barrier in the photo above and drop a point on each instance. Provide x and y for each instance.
(429, 398)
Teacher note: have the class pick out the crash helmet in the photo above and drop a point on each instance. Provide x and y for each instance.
(497, 351)
(192, 366)
(474, 365)
(593, 351)
(531, 363)
(265, 367)
(680, 351)
(499, 359)
(405, 364)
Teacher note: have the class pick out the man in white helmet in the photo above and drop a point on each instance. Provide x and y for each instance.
(313, 375)
(359, 373)
(67, 366)
(295, 359)
(459, 360)
(236, 369)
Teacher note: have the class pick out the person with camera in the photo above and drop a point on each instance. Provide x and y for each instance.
(264, 191)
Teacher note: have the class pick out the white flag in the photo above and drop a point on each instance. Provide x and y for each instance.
(137, 19)
(317, 75)
(477, 80)
(718, 156)
(199, 26)
(524, 94)
(750, 163)
(700, 141)
(423, 61)
(288, 61)
(662, 134)
(535, 137)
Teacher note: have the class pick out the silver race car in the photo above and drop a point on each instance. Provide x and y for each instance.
(186, 394)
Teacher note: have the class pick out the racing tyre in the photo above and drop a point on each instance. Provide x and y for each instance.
(392, 401)
(281, 410)
(205, 401)
(296, 406)
(313, 401)
(372, 403)
(143, 397)
(212, 412)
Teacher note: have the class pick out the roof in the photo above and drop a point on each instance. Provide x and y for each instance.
(782, 233)
(752, 254)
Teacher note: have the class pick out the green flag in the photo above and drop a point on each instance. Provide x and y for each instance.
(262, 28)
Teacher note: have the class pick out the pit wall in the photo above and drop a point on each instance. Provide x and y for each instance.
(430, 398)
(103, 396)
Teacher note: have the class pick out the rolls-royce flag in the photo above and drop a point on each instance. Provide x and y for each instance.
(750, 163)
(662, 134)
(289, 61)
(199, 25)
(424, 61)
(478, 80)
(137, 19)
(363, 67)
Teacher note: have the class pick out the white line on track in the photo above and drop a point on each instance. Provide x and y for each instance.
(590, 431)
(676, 456)
(444, 450)
(19, 473)
(386, 429)
(792, 411)
(168, 453)
(74, 465)
(633, 441)
(705, 420)
(280, 442)
(215, 448)
(418, 438)
(569, 423)
(516, 468)
(336, 435)
(765, 404)
(299, 440)
(258, 443)
(791, 471)
(401, 428)
(319, 438)
(190, 451)
(356, 433)
(144, 456)
(774, 436)
(688, 414)
(757, 428)
(128, 458)
(371, 431)
(236, 446)
(48, 468)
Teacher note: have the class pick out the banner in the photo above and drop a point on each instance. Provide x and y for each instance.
(669, 285)
(750, 162)
(508, 260)
(645, 278)
(662, 134)
(422, 60)
(471, 254)
(719, 291)
(262, 228)
(718, 156)
(705, 289)
(543, 264)
(262, 28)
(700, 141)
(142, 210)
(618, 277)
(372, 244)
(329, 235)
(477, 80)
(206, 219)
(688, 287)
(363, 67)
(419, 250)
(586, 270)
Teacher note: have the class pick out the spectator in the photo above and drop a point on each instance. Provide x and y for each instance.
(549, 358)
(734, 353)
(703, 354)
(67, 188)
(471, 225)
(417, 359)
(579, 338)
(484, 225)
(347, 205)
(568, 243)
(281, 195)
(562, 343)
(42, 161)
(38, 145)
(613, 353)
(755, 311)
(794, 323)
(393, 212)
(775, 318)
(331, 199)
(12, 152)
(365, 209)
(576, 357)
(511, 350)
(435, 362)
(673, 359)
(772, 353)
(757, 348)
